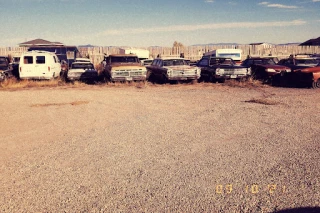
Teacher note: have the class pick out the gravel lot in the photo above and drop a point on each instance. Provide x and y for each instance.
(165, 148)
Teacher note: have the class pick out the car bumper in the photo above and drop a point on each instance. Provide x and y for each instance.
(82, 77)
(37, 77)
(132, 78)
(183, 78)
(230, 76)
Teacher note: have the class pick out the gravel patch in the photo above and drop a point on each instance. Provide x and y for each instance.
(162, 148)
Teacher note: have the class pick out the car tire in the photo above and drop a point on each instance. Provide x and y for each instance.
(316, 84)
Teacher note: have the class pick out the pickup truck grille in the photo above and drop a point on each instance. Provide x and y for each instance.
(127, 73)
(183, 73)
(234, 71)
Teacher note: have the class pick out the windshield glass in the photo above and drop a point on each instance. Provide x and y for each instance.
(124, 59)
(82, 66)
(306, 61)
(174, 62)
(3, 61)
(221, 61)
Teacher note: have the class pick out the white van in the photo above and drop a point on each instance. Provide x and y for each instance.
(39, 65)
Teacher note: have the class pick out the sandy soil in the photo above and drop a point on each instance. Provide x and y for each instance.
(166, 148)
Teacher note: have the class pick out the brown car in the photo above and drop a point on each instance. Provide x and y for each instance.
(123, 67)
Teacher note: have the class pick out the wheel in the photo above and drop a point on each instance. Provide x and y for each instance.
(316, 84)
(211, 79)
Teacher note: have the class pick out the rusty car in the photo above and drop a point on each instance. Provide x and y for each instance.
(122, 67)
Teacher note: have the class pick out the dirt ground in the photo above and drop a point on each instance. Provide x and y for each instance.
(164, 148)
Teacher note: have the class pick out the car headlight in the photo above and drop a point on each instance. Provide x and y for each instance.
(197, 71)
(249, 71)
(219, 71)
(271, 70)
(169, 72)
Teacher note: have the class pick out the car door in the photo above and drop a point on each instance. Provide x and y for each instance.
(56, 66)
(40, 66)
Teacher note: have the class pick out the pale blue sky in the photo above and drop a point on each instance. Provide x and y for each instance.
(143, 23)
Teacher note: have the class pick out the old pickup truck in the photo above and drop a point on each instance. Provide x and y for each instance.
(123, 67)
(219, 69)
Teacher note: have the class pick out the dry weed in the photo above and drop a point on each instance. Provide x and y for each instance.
(262, 101)
(74, 103)
(13, 83)
(249, 83)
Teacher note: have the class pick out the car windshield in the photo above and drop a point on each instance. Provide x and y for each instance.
(3, 61)
(223, 61)
(174, 62)
(82, 66)
(125, 59)
(306, 61)
(264, 61)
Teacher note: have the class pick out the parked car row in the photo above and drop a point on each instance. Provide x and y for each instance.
(35, 64)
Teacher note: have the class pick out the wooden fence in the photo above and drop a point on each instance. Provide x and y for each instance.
(96, 54)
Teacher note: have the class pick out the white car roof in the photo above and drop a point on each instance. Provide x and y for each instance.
(82, 59)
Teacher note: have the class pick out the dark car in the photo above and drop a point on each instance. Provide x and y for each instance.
(82, 71)
(265, 68)
(298, 62)
(5, 68)
(219, 69)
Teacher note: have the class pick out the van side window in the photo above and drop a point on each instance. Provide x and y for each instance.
(28, 60)
(40, 59)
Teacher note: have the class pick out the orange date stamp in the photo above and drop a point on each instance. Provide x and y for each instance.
(251, 189)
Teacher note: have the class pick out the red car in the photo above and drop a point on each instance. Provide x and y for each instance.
(265, 68)
(310, 76)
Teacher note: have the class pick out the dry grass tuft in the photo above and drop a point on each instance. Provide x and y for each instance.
(249, 83)
(74, 103)
(13, 83)
(140, 85)
(262, 101)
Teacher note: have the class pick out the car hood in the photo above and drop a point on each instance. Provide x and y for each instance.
(180, 67)
(275, 67)
(309, 70)
(127, 67)
(81, 70)
(222, 66)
